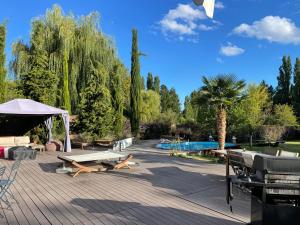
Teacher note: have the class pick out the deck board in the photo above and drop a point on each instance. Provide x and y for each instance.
(137, 196)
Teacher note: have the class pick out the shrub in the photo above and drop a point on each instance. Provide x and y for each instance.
(272, 133)
(156, 130)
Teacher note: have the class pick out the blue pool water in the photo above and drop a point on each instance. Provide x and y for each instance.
(192, 146)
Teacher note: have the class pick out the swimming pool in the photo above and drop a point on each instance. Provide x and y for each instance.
(192, 146)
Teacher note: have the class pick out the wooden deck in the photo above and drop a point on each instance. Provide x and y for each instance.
(161, 190)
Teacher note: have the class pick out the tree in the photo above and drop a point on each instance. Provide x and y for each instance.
(142, 83)
(2, 62)
(117, 101)
(250, 113)
(39, 79)
(72, 45)
(268, 87)
(169, 100)
(12, 91)
(164, 98)
(66, 93)
(135, 89)
(189, 112)
(283, 90)
(221, 92)
(150, 85)
(296, 88)
(96, 112)
(174, 103)
(156, 84)
(283, 115)
(150, 106)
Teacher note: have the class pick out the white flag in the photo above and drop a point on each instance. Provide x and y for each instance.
(209, 6)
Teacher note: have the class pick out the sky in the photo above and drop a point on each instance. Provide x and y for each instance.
(246, 37)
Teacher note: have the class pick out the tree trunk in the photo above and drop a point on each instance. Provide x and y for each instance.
(221, 127)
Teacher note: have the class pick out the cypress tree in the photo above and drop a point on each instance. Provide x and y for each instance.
(296, 88)
(95, 108)
(150, 82)
(283, 90)
(164, 98)
(2, 62)
(135, 88)
(66, 93)
(174, 101)
(156, 84)
(117, 101)
(142, 83)
(268, 87)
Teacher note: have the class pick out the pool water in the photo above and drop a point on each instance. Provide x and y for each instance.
(192, 146)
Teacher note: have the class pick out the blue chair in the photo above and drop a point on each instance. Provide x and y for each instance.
(5, 183)
(2, 171)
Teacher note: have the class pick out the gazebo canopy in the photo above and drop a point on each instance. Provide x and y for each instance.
(21, 115)
(29, 107)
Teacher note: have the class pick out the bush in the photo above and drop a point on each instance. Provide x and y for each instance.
(272, 133)
(155, 130)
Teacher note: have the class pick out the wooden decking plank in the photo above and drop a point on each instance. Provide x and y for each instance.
(62, 194)
(37, 215)
(106, 198)
(65, 216)
(147, 193)
(125, 196)
(150, 214)
(134, 193)
(97, 206)
(48, 191)
(144, 197)
(27, 200)
(77, 191)
(107, 194)
(23, 207)
(161, 192)
(3, 219)
(40, 202)
(9, 215)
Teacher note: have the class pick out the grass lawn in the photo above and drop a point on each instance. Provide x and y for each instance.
(206, 158)
(291, 146)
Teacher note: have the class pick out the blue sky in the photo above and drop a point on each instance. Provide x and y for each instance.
(246, 37)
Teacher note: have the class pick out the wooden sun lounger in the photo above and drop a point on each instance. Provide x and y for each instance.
(83, 162)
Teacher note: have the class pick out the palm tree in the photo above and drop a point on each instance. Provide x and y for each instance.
(221, 92)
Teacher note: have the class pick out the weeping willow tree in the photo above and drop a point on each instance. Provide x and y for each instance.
(38, 80)
(71, 47)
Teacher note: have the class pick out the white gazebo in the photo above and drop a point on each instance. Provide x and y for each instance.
(20, 115)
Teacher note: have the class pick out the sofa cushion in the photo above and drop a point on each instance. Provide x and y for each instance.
(7, 141)
(22, 140)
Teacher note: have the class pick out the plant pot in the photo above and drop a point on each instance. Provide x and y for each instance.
(51, 147)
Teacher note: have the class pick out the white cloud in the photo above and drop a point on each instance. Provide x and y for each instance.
(231, 50)
(271, 28)
(219, 5)
(219, 60)
(205, 27)
(184, 21)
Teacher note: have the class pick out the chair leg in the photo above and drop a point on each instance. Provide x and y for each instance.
(78, 172)
(7, 203)
(10, 193)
